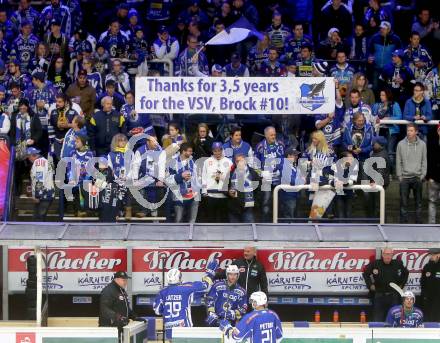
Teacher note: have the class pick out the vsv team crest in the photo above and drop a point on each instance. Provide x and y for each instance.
(312, 95)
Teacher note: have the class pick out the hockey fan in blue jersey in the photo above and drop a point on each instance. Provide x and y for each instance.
(405, 315)
(261, 325)
(174, 301)
(226, 299)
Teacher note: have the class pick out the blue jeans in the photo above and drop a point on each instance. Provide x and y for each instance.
(188, 208)
(288, 207)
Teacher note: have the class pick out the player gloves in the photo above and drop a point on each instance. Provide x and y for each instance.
(212, 318)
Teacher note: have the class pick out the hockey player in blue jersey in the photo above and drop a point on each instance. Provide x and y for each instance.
(174, 301)
(261, 325)
(226, 300)
(405, 315)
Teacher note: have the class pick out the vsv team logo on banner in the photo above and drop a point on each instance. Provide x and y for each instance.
(312, 95)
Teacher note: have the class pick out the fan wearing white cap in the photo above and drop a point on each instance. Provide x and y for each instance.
(226, 300)
(405, 315)
(174, 301)
(261, 325)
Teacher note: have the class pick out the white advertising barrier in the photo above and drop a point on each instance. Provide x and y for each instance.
(303, 271)
(58, 335)
(83, 270)
(299, 271)
(241, 95)
(320, 335)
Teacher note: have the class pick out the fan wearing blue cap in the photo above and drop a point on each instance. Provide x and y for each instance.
(215, 180)
(398, 77)
(41, 181)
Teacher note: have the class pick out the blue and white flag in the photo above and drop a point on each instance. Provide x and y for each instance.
(235, 33)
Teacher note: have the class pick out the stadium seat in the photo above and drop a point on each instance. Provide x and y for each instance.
(301, 324)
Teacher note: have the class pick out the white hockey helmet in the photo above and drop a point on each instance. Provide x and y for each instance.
(232, 269)
(408, 294)
(258, 299)
(174, 276)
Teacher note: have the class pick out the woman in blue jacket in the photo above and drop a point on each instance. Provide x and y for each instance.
(388, 109)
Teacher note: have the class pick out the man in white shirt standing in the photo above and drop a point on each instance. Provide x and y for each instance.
(215, 181)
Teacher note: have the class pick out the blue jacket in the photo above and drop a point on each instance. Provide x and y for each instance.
(270, 154)
(24, 50)
(394, 112)
(425, 110)
(231, 151)
(397, 317)
(382, 48)
(366, 142)
(61, 13)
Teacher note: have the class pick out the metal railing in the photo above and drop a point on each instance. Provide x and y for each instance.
(298, 188)
(166, 61)
(404, 122)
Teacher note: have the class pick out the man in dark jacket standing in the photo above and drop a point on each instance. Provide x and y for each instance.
(430, 283)
(114, 307)
(103, 126)
(378, 276)
(252, 273)
(379, 152)
(82, 93)
(433, 174)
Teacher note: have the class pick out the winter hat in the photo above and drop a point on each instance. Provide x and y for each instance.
(399, 53)
(381, 140)
(385, 25)
(217, 145)
(216, 68)
(32, 151)
(331, 31)
(132, 13)
(321, 67)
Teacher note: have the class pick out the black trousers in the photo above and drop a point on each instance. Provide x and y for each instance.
(40, 210)
(382, 303)
(406, 185)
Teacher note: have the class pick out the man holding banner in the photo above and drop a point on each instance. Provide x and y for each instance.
(192, 62)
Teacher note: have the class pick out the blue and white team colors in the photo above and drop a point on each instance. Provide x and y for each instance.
(174, 301)
(259, 326)
(405, 315)
(399, 318)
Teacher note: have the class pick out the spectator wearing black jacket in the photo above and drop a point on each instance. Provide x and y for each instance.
(336, 15)
(252, 273)
(382, 167)
(114, 306)
(433, 173)
(103, 126)
(378, 275)
(202, 142)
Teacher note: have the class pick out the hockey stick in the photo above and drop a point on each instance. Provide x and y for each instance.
(396, 288)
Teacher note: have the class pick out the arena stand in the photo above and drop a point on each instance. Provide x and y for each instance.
(313, 264)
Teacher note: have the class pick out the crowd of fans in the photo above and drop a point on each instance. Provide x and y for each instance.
(66, 91)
